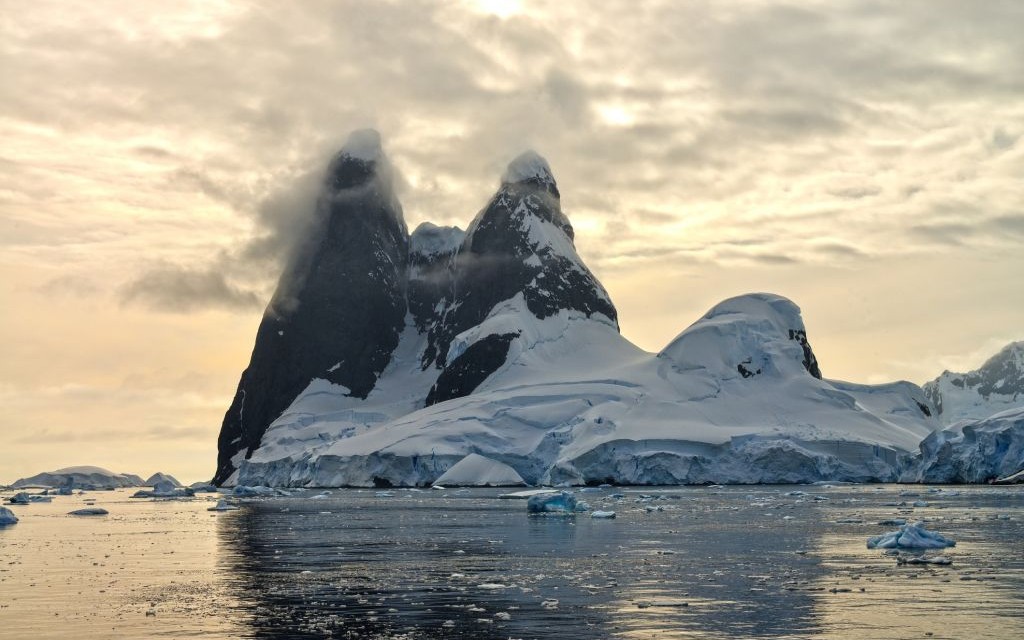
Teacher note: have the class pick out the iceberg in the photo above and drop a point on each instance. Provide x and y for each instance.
(90, 511)
(7, 517)
(910, 536)
(561, 502)
(478, 471)
(19, 498)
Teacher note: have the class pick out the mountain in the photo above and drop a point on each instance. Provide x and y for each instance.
(499, 343)
(160, 476)
(83, 477)
(339, 307)
(994, 387)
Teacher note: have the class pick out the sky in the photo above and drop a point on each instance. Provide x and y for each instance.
(862, 158)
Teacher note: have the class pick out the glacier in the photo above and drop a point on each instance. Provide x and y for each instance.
(509, 367)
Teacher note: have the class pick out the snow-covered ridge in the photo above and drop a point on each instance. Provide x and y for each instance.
(995, 386)
(527, 166)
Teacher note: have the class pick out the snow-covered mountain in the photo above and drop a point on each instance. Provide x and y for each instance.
(82, 477)
(996, 386)
(387, 360)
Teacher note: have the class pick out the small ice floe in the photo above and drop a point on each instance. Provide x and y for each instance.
(920, 503)
(222, 505)
(940, 560)
(203, 487)
(796, 493)
(529, 493)
(850, 520)
(7, 517)
(503, 615)
(243, 491)
(91, 511)
(562, 502)
(492, 586)
(165, 489)
(910, 536)
(437, 487)
(893, 522)
(603, 514)
(549, 604)
(19, 498)
(651, 509)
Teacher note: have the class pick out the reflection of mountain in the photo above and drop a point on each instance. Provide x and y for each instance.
(386, 566)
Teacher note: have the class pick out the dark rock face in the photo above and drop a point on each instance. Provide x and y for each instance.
(521, 243)
(810, 361)
(339, 307)
(471, 368)
(432, 252)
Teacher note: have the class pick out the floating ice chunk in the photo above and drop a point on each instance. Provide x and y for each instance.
(203, 487)
(244, 491)
(503, 615)
(910, 536)
(222, 505)
(893, 522)
(7, 517)
(920, 503)
(943, 560)
(603, 514)
(19, 498)
(91, 511)
(529, 493)
(560, 502)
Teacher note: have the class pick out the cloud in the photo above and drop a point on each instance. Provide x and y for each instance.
(178, 289)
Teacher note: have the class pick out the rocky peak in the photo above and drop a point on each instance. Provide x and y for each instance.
(339, 306)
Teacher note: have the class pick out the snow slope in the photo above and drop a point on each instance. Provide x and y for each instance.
(575, 402)
(996, 386)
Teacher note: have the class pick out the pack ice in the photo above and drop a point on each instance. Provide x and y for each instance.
(494, 355)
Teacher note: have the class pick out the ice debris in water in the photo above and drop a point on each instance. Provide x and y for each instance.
(19, 498)
(7, 517)
(603, 514)
(910, 536)
(561, 502)
(222, 505)
(91, 511)
(244, 491)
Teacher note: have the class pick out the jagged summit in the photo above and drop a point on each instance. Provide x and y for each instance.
(520, 244)
(364, 145)
(339, 306)
(530, 166)
(996, 385)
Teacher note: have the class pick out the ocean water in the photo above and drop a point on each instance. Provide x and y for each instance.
(691, 562)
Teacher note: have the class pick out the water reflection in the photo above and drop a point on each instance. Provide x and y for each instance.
(470, 566)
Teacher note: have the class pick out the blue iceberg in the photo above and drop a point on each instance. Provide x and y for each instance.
(561, 502)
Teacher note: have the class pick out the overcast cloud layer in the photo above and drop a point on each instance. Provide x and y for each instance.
(861, 158)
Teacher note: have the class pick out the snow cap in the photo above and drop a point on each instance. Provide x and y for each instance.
(363, 144)
(529, 166)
